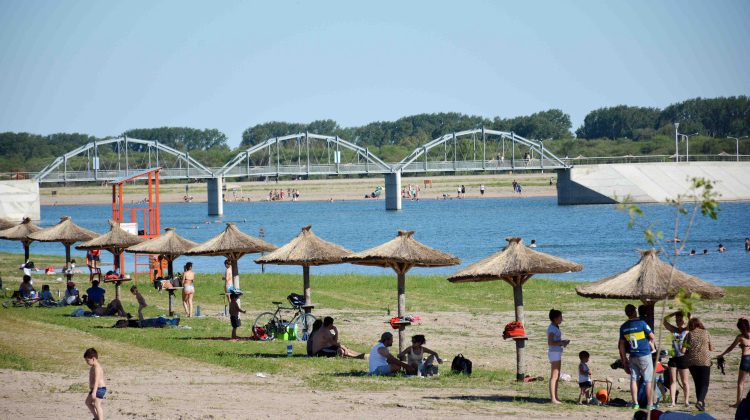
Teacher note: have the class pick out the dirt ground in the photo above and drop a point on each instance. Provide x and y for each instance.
(152, 384)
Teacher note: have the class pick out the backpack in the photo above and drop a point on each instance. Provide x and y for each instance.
(461, 365)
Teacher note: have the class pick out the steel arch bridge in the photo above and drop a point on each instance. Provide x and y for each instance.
(479, 149)
(304, 154)
(111, 159)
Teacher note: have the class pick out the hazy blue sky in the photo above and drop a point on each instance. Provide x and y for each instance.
(103, 67)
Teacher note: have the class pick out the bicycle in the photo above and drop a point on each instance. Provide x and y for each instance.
(270, 325)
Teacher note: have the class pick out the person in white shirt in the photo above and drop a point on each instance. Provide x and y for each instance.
(382, 361)
(584, 377)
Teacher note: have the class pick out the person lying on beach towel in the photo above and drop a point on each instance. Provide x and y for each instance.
(158, 322)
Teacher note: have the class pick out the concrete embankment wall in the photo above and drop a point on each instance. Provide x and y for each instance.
(649, 182)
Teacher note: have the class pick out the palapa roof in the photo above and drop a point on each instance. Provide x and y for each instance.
(6, 224)
(169, 243)
(20, 231)
(231, 242)
(514, 261)
(115, 239)
(647, 281)
(65, 231)
(404, 251)
(306, 249)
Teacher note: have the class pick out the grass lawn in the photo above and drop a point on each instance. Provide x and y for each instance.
(457, 318)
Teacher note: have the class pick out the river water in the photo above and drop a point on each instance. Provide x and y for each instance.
(596, 236)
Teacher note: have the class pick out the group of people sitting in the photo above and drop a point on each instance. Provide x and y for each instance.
(323, 341)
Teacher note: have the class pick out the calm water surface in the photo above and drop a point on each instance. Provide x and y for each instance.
(595, 236)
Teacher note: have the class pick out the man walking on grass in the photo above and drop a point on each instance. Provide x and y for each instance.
(635, 336)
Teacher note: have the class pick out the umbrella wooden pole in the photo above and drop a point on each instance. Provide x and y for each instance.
(401, 309)
(520, 344)
(68, 271)
(26, 251)
(170, 267)
(235, 276)
(648, 309)
(306, 284)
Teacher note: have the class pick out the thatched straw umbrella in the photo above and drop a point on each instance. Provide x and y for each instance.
(67, 233)
(306, 249)
(515, 264)
(21, 232)
(6, 224)
(114, 241)
(647, 281)
(232, 244)
(401, 254)
(170, 245)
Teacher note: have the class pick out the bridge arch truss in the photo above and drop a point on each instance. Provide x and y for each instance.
(109, 159)
(479, 149)
(303, 154)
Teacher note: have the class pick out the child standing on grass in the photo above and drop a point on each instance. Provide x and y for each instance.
(97, 387)
(584, 377)
(556, 344)
(234, 314)
(141, 301)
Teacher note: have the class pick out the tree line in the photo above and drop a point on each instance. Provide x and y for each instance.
(714, 118)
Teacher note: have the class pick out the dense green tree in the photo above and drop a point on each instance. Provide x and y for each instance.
(184, 139)
(618, 122)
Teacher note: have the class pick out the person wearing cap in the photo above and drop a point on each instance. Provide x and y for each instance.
(382, 361)
(72, 296)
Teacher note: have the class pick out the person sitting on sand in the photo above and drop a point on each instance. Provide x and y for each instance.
(382, 361)
(326, 342)
(415, 356)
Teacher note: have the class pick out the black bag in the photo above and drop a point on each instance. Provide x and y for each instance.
(461, 365)
(296, 300)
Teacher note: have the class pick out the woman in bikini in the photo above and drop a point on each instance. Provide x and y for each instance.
(188, 288)
(415, 355)
(743, 340)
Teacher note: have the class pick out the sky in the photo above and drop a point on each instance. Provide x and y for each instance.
(102, 67)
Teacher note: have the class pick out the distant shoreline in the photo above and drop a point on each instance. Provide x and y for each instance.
(315, 190)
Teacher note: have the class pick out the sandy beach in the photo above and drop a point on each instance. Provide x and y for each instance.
(534, 185)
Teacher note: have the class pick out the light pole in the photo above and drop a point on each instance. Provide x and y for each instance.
(676, 145)
(737, 139)
(687, 145)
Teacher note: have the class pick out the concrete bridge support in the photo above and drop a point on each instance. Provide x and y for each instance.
(393, 191)
(215, 197)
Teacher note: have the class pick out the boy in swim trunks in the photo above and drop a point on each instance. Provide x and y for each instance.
(141, 301)
(97, 387)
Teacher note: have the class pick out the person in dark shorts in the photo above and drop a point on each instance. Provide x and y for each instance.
(234, 314)
(676, 364)
(743, 340)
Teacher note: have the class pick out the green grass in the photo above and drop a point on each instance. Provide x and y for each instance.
(359, 299)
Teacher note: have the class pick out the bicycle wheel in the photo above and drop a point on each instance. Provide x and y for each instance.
(303, 325)
(266, 326)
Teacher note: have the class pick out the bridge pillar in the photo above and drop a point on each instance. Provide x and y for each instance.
(215, 198)
(393, 191)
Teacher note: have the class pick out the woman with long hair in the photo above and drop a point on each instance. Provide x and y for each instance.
(188, 288)
(697, 348)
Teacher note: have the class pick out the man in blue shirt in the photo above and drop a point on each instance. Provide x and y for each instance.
(95, 297)
(635, 335)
